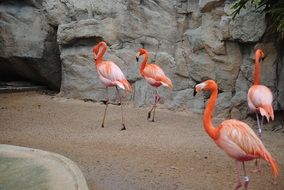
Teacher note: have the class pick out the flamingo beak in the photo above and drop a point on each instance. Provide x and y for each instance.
(95, 57)
(198, 88)
(137, 56)
(194, 92)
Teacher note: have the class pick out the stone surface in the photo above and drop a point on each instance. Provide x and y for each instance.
(208, 5)
(280, 98)
(249, 26)
(223, 105)
(191, 40)
(28, 47)
(27, 168)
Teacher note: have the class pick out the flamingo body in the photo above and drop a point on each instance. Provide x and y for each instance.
(111, 75)
(260, 100)
(240, 142)
(155, 76)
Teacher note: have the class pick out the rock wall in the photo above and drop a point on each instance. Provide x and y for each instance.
(192, 40)
(28, 47)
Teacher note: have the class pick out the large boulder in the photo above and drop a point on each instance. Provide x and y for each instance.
(28, 45)
(190, 40)
(248, 26)
(208, 5)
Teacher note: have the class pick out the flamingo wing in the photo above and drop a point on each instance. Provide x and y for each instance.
(154, 74)
(240, 134)
(239, 141)
(111, 75)
(260, 98)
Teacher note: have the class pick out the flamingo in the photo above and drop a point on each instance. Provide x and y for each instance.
(259, 96)
(260, 99)
(155, 76)
(236, 138)
(110, 75)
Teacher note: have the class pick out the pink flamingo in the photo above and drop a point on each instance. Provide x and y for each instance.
(260, 99)
(155, 76)
(236, 138)
(259, 96)
(110, 75)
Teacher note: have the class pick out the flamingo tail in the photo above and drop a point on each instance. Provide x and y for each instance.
(166, 81)
(274, 168)
(267, 111)
(126, 85)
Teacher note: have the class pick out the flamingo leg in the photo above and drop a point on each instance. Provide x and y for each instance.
(246, 178)
(106, 103)
(157, 100)
(257, 168)
(153, 109)
(150, 112)
(259, 126)
(122, 115)
(237, 171)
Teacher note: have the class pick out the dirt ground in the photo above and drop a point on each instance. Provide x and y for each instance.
(172, 153)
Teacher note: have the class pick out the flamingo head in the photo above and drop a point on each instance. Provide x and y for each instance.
(207, 85)
(96, 49)
(259, 54)
(142, 51)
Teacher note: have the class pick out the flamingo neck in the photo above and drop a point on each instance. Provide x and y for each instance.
(144, 62)
(207, 118)
(101, 54)
(256, 71)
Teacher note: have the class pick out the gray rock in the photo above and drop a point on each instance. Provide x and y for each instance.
(208, 5)
(223, 105)
(248, 26)
(201, 67)
(239, 102)
(268, 66)
(28, 46)
(280, 98)
(236, 114)
(227, 71)
(194, 40)
(185, 99)
(144, 93)
(224, 27)
(79, 76)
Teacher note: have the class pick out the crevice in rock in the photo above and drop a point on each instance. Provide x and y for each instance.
(79, 42)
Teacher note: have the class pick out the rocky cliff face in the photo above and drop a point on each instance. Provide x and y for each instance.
(192, 40)
(28, 47)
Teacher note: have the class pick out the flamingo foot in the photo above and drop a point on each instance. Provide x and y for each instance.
(246, 185)
(246, 182)
(102, 126)
(238, 185)
(123, 127)
(105, 102)
(153, 120)
(149, 115)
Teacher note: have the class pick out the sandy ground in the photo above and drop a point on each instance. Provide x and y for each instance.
(172, 153)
